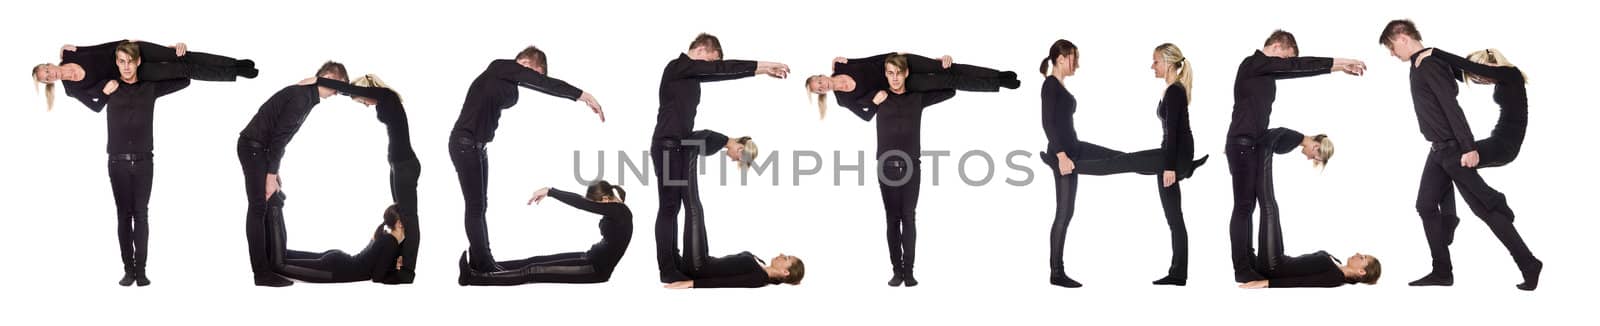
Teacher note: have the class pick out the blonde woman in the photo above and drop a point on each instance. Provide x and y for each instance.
(84, 70)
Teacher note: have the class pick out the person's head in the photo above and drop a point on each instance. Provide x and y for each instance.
(744, 151)
(128, 60)
(705, 47)
(820, 85)
(1366, 269)
(1281, 44)
(533, 58)
(391, 216)
(1318, 149)
(331, 70)
(1488, 57)
(1063, 58)
(369, 80)
(896, 69)
(1170, 64)
(605, 192)
(1402, 39)
(786, 269)
(46, 74)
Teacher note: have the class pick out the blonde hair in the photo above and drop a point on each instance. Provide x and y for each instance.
(371, 80)
(1172, 55)
(1324, 150)
(49, 88)
(749, 153)
(822, 99)
(1490, 57)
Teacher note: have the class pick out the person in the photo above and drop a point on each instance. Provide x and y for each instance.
(1254, 90)
(593, 266)
(741, 270)
(899, 159)
(492, 91)
(855, 82)
(261, 147)
(674, 143)
(1490, 66)
(83, 70)
(1451, 161)
(380, 261)
(130, 114)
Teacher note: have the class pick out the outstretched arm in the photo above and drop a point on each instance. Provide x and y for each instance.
(1498, 73)
(1296, 67)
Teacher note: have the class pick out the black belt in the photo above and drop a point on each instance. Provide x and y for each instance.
(251, 143)
(464, 141)
(1439, 146)
(895, 163)
(1245, 141)
(130, 157)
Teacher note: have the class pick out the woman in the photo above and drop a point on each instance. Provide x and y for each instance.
(741, 270)
(593, 266)
(1484, 67)
(1318, 269)
(83, 70)
(129, 145)
(379, 262)
(856, 82)
(899, 156)
(404, 168)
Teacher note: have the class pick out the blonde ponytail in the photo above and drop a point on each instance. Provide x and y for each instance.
(371, 80)
(1180, 65)
(822, 99)
(49, 89)
(1490, 57)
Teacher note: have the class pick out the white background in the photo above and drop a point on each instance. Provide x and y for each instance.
(982, 250)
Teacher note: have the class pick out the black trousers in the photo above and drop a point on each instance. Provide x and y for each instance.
(332, 266)
(571, 267)
(257, 229)
(959, 77)
(1270, 231)
(403, 175)
(471, 159)
(1172, 206)
(677, 188)
(163, 63)
(1442, 169)
(1067, 195)
(131, 177)
(900, 210)
(1246, 162)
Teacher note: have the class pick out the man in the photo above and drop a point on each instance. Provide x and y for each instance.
(1254, 89)
(130, 115)
(1451, 161)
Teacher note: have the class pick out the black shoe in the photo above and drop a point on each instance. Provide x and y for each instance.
(910, 280)
(1008, 75)
(127, 279)
(140, 279)
(1011, 83)
(1530, 276)
(464, 270)
(1450, 224)
(248, 73)
(1435, 279)
(1172, 280)
(1195, 167)
(1060, 279)
(896, 280)
(245, 63)
(273, 281)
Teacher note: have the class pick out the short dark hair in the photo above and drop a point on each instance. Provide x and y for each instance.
(1399, 27)
(334, 68)
(707, 40)
(1285, 38)
(129, 48)
(535, 55)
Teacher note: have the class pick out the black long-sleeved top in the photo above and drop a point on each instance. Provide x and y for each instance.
(131, 114)
(496, 89)
(1281, 140)
(379, 256)
(99, 63)
(1308, 270)
(1056, 105)
(1433, 94)
(279, 119)
(680, 91)
(1177, 140)
(741, 270)
(869, 76)
(1255, 87)
(391, 112)
(705, 142)
(1510, 91)
(900, 120)
(616, 224)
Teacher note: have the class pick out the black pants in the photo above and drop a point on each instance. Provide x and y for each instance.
(677, 189)
(900, 210)
(1146, 162)
(471, 159)
(163, 63)
(131, 177)
(1442, 169)
(332, 266)
(571, 267)
(1172, 206)
(1067, 195)
(1246, 162)
(403, 175)
(1270, 236)
(960, 77)
(253, 161)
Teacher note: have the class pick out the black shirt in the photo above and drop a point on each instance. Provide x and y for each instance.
(900, 120)
(1308, 270)
(1056, 105)
(1282, 140)
(378, 258)
(496, 89)
(680, 91)
(741, 270)
(705, 142)
(99, 63)
(616, 225)
(1177, 141)
(279, 119)
(1433, 95)
(1510, 92)
(1255, 88)
(869, 76)
(391, 112)
(131, 114)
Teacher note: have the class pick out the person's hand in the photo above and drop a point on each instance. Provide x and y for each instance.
(1470, 159)
(1066, 165)
(272, 184)
(399, 263)
(946, 61)
(841, 60)
(180, 48)
(538, 195)
(1356, 68)
(588, 99)
(1256, 284)
(307, 81)
(776, 70)
(111, 87)
(1168, 178)
(680, 285)
(880, 97)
